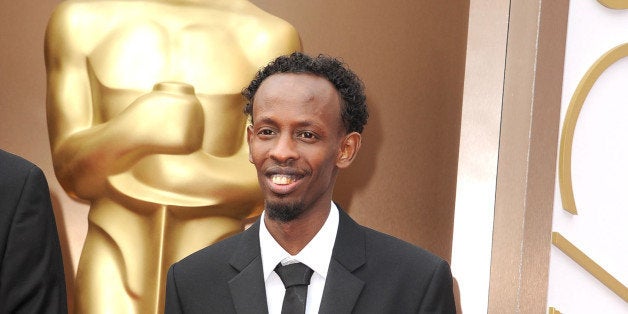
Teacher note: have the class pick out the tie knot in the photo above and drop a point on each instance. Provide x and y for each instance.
(297, 274)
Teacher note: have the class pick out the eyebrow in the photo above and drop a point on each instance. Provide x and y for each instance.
(270, 120)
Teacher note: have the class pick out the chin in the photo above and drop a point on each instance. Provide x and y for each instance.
(284, 211)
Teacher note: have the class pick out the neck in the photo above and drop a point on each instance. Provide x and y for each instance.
(294, 235)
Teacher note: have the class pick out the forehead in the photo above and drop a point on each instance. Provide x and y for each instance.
(294, 93)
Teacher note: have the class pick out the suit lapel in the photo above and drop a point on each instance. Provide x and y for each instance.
(342, 288)
(247, 288)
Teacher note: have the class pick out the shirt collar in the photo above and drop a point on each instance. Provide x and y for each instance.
(316, 254)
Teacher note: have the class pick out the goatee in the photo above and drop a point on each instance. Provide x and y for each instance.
(284, 212)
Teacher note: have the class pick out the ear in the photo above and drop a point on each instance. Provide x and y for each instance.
(249, 138)
(349, 149)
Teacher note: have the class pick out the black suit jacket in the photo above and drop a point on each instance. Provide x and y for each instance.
(370, 272)
(31, 268)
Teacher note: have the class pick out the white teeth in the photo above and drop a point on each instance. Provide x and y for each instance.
(281, 179)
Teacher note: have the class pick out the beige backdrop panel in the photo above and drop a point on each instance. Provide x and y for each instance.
(507, 154)
(596, 54)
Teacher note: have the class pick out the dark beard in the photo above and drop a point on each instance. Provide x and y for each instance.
(284, 212)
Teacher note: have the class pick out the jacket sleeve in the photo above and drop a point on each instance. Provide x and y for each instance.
(31, 275)
(439, 297)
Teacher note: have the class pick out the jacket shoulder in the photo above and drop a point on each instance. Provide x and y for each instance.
(14, 167)
(16, 174)
(384, 246)
(416, 280)
(210, 256)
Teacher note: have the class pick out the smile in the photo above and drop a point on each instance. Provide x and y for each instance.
(283, 182)
(282, 179)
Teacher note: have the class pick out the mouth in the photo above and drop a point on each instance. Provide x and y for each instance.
(282, 179)
(283, 182)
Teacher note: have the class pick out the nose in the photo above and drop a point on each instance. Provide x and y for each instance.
(284, 149)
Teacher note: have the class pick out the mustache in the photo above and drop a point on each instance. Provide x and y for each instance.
(287, 171)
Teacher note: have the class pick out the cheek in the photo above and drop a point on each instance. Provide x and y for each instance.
(325, 163)
(253, 156)
(257, 152)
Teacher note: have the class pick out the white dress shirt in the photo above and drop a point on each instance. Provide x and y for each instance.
(316, 255)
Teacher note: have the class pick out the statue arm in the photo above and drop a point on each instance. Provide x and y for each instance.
(85, 151)
(69, 106)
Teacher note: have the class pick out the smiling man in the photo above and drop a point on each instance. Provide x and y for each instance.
(304, 254)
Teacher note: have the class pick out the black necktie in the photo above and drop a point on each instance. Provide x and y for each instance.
(296, 278)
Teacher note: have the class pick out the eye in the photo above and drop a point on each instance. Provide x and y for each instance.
(307, 136)
(265, 132)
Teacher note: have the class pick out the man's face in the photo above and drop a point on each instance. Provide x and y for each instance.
(296, 143)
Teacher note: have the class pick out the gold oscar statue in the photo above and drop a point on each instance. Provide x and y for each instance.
(146, 124)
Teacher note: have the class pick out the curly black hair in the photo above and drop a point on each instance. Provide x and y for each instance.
(353, 112)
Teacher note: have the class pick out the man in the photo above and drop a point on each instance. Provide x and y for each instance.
(307, 115)
(31, 268)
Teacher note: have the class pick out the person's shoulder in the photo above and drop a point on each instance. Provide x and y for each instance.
(216, 253)
(17, 173)
(13, 166)
(421, 279)
(210, 264)
(383, 246)
(13, 160)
